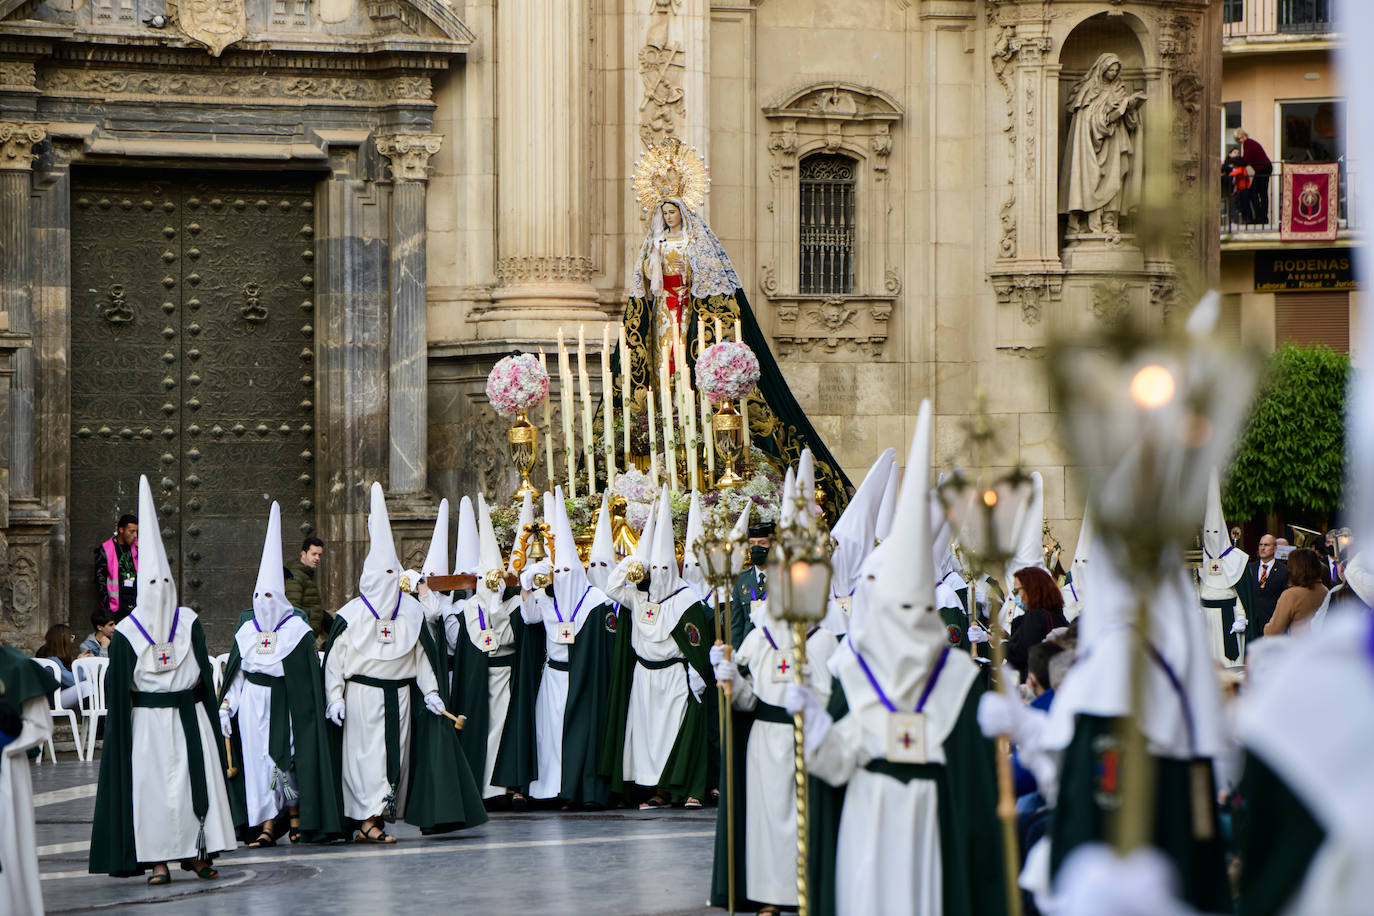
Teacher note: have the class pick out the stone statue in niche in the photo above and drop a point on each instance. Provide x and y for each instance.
(1100, 176)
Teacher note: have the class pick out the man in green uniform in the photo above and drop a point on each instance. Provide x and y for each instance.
(303, 591)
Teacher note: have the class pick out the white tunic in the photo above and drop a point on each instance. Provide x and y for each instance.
(551, 705)
(20, 889)
(465, 622)
(265, 788)
(771, 812)
(658, 696)
(165, 824)
(357, 652)
(888, 856)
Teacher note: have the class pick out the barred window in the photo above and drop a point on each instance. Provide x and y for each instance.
(827, 223)
(1232, 10)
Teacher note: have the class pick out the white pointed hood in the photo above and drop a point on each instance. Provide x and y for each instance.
(645, 546)
(570, 582)
(526, 518)
(854, 536)
(157, 590)
(664, 578)
(489, 560)
(806, 479)
(901, 634)
(692, 573)
(888, 504)
(1030, 532)
(270, 606)
(948, 582)
(436, 563)
(1222, 564)
(466, 559)
(1075, 593)
(380, 581)
(601, 560)
(787, 512)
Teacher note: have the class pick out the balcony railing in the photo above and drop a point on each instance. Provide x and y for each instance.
(1278, 18)
(1244, 213)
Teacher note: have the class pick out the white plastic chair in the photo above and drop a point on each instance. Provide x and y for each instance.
(217, 666)
(59, 711)
(91, 671)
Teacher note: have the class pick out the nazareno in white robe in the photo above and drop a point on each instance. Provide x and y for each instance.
(658, 696)
(356, 651)
(265, 789)
(888, 858)
(770, 816)
(20, 889)
(165, 824)
(464, 623)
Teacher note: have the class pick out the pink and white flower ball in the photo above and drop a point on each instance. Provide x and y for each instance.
(727, 371)
(517, 383)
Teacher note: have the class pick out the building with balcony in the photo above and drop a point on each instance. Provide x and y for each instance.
(1279, 86)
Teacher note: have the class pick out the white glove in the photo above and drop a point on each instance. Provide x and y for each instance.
(530, 571)
(226, 728)
(727, 672)
(1005, 714)
(816, 722)
(433, 703)
(695, 682)
(977, 634)
(1238, 626)
(334, 712)
(717, 654)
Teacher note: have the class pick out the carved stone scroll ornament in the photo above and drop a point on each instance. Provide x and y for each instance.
(17, 140)
(216, 24)
(850, 323)
(409, 154)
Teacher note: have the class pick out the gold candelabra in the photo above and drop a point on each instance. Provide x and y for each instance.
(523, 439)
(799, 571)
(728, 428)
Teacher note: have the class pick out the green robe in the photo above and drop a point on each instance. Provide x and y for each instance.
(321, 800)
(112, 829)
(21, 680)
(442, 796)
(470, 696)
(1278, 839)
(685, 772)
(1089, 791)
(777, 424)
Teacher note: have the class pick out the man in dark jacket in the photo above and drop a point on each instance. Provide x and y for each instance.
(301, 588)
(1270, 578)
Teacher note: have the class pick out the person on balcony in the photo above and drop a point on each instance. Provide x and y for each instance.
(1254, 156)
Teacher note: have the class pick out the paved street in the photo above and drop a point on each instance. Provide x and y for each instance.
(622, 862)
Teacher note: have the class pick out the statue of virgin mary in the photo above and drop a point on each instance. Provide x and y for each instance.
(682, 279)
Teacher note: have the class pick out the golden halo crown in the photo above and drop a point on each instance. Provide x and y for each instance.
(667, 169)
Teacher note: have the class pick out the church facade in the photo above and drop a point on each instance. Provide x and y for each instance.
(268, 249)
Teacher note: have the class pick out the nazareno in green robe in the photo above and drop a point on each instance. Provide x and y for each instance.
(586, 722)
(685, 772)
(777, 424)
(317, 779)
(442, 794)
(469, 696)
(112, 829)
(1185, 818)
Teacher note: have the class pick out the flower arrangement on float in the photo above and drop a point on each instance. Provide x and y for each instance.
(726, 373)
(517, 384)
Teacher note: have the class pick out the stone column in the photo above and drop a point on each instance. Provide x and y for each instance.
(17, 140)
(544, 263)
(408, 374)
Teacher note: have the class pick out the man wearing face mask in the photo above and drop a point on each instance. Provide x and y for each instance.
(656, 731)
(752, 584)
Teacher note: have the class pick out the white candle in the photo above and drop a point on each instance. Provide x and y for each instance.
(548, 422)
(748, 440)
(686, 410)
(607, 406)
(665, 389)
(566, 405)
(706, 432)
(625, 391)
(584, 386)
(653, 439)
(717, 329)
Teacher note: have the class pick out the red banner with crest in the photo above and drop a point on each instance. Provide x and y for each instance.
(1309, 201)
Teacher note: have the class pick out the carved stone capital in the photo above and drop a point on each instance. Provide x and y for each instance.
(855, 323)
(17, 139)
(409, 154)
(1029, 290)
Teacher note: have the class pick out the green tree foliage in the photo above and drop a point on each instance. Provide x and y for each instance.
(1291, 459)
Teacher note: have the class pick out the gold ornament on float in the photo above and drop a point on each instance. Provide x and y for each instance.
(671, 169)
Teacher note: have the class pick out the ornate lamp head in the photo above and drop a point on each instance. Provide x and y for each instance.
(799, 567)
